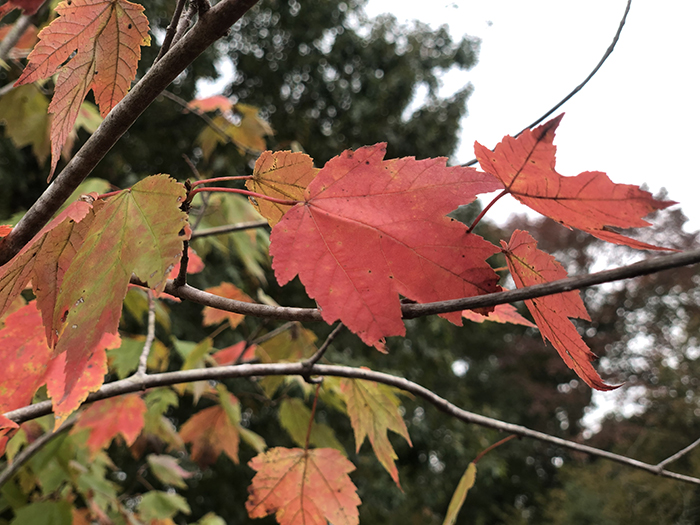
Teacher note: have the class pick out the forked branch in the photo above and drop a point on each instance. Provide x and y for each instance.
(129, 385)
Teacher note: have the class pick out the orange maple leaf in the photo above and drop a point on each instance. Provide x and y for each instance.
(106, 36)
(589, 201)
(370, 229)
(108, 418)
(213, 103)
(282, 175)
(502, 313)
(373, 411)
(309, 487)
(530, 266)
(214, 430)
(215, 316)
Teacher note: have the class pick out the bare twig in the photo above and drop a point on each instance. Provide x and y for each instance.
(273, 333)
(229, 228)
(24, 456)
(171, 29)
(311, 361)
(249, 370)
(201, 114)
(150, 335)
(578, 88)
(677, 455)
(411, 311)
(210, 27)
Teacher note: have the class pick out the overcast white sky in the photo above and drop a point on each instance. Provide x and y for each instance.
(637, 119)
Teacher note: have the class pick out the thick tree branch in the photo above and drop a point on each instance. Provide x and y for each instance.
(210, 27)
(410, 311)
(129, 385)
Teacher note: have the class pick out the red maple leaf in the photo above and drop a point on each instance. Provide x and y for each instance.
(371, 229)
(530, 266)
(309, 487)
(238, 353)
(589, 201)
(15, 274)
(28, 6)
(24, 358)
(106, 37)
(108, 418)
(68, 395)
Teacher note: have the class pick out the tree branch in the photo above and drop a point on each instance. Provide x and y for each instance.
(33, 448)
(411, 311)
(229, 228)
(210, 27)
(129, 385)
(677, 455)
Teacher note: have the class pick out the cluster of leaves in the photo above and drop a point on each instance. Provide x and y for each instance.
(361, 234)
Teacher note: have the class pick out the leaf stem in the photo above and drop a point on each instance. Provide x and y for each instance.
(220, 179)
(490, 448)
(245, 192)
(488, 207)
(311, 418)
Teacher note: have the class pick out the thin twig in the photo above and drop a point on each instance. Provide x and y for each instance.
(492, 446)
(677, 455)
(276, 369)
(33, 448)
(311, 361)
(274, 333)
(411, 311)
(150, 336)
(229, 228)
(171, 29)
(206, 118)
(578, 88)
